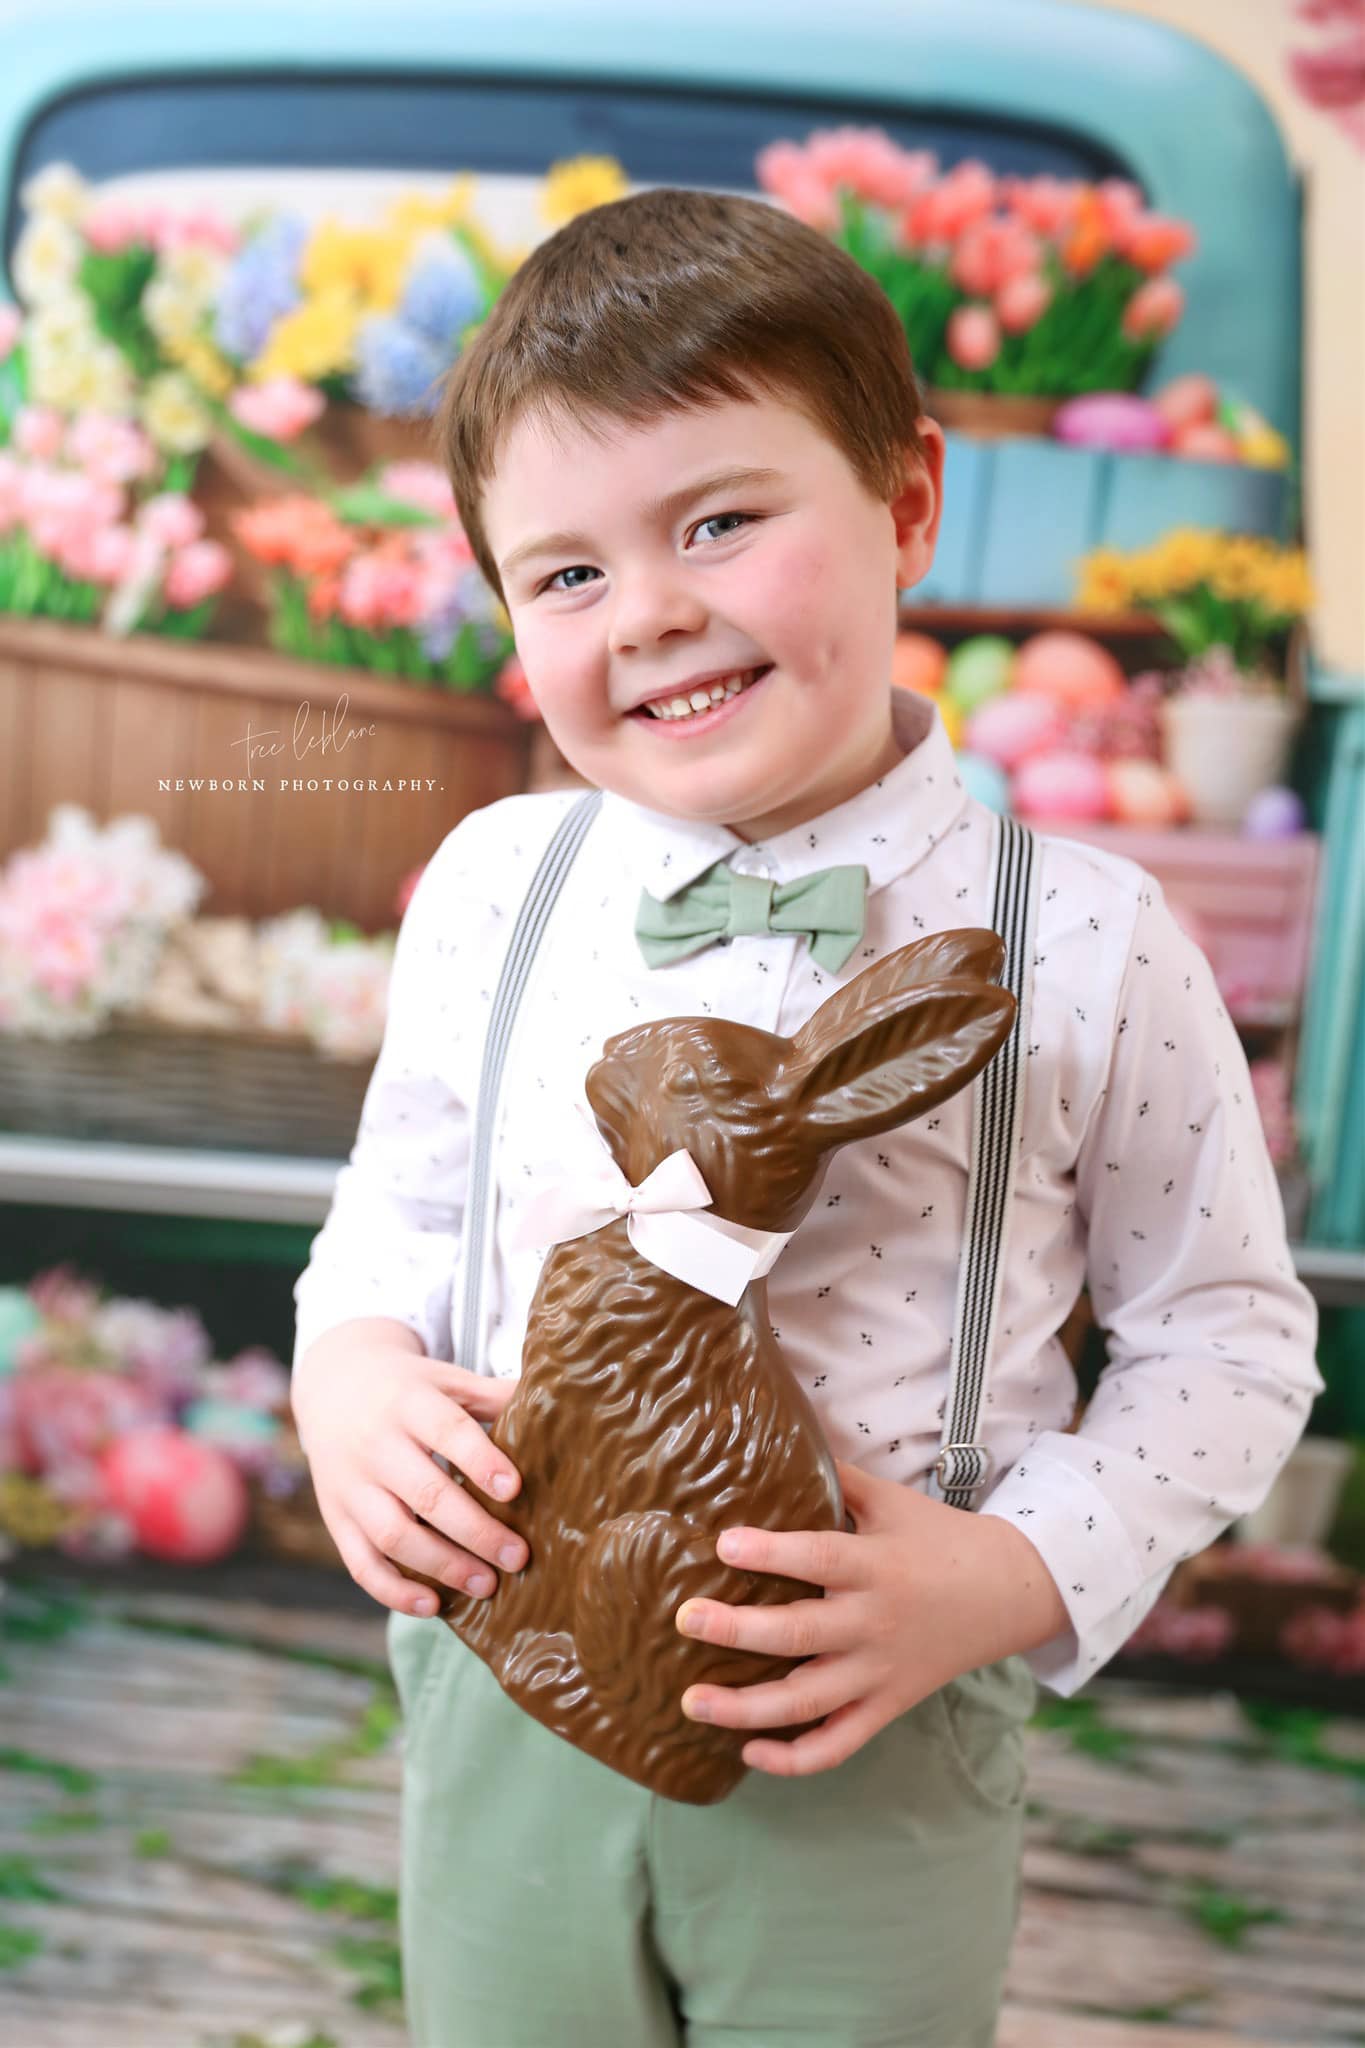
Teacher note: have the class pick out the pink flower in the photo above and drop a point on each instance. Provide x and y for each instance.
(1153, 309)
(422, 484)
(867, 162)
(1022, 301)
(782, 169)
(115, 450)
(62, 1295)
(196, 572)
(64, 957)
(111, 226)
(379, 592)
(1120, 205)
(171, 520)
(1045, 204)
(11, 491)
(111, 554)
(202, 228)
(990, 253)
(11, 327)
(38, 432)
(973, 337)
(941, 212)
(280, 409)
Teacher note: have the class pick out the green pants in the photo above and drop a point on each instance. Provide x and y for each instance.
(548, 1902)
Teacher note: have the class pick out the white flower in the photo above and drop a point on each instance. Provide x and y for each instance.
(173, 415)
(59, 192)
(46, 260)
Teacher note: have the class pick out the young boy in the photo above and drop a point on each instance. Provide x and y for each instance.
(665, 366)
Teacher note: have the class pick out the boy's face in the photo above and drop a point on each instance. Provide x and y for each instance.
(647, 599)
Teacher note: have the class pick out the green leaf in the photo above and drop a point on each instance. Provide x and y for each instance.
(1226, 1917)
(66, 1775)
(20, 1878)
(17, 1944)
(364, 504)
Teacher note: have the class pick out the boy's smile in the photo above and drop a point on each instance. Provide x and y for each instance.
(769, 589)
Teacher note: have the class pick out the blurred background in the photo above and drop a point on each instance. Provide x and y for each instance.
(250, 677)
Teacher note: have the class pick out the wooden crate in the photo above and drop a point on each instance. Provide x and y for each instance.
(123, 726)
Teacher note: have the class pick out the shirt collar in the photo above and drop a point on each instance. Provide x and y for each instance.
(888, 827)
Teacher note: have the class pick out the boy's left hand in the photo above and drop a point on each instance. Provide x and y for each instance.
(919, 1594)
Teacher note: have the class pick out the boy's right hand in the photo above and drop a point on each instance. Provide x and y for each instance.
(369, 1406)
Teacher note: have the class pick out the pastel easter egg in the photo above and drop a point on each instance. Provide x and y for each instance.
(1144, 793)
(1119, 420)
(952, 719)
(1063, 784)
(1187, 401)
(1206, 441)
(1008, 729)
(978, 669)
(918, 663)
(1274, 813)
(984, 781)
(186, 1500)
(20, 1316)
(1070, 668)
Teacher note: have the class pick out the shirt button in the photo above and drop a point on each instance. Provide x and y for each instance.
(751, 864)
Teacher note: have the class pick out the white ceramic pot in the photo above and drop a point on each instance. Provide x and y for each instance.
(1302, 1504)
(1224, 749)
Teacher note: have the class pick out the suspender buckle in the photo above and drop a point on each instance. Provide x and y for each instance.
(969, 1466)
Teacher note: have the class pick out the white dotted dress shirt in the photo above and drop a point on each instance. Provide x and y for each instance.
(1143, 1168)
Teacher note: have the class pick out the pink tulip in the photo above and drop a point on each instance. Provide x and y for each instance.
(114, 449)
(111, 226)
(280, 409)
(973, 337)
(869, 163)
(1022, 301)
(379, 592)
(990, 253)
(11, 327)
(196, 572)
(202, 228)
(111, 554)
(1045, 204)
(421, 484)
(782, 170)
(171, 520)
(1120, 205)
(940, 213)
(38, 431)
(1153, 309)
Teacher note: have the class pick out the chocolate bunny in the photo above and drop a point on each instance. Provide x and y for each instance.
(649, 1415)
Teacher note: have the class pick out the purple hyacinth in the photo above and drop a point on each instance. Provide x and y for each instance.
(260, 288)
(400, 371)
(442, 295)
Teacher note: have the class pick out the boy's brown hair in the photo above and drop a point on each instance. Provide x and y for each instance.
(672, 298)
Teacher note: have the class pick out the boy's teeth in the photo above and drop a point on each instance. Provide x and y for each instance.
(703, 697)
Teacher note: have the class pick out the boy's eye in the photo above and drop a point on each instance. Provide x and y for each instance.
(715, 519)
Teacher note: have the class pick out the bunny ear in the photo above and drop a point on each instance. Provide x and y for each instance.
(970, 955)
(920, 1049)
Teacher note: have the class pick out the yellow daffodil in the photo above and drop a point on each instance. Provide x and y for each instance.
(368, 263)
(174, 415)
(314, 341)
(1263, 448)
(417, 211)
(578, 183)
(1104, 582)
(200, 360)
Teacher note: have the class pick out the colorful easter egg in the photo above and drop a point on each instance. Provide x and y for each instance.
(1187, 401)
(1064, 784)
(1274, 813)
(1205, 441)
(1119, 420)
(1070, 668)
(244, 1432)
(952, 719)
(1145, 793)
(20, 1316)
(1008, 729)
(984, 781)
(918, 663)
(978, 669)
(186, 1500)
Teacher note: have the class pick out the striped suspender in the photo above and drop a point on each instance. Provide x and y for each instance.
(532, 918)
(963, 1464)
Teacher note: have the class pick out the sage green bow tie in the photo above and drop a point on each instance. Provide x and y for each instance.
(825, 907)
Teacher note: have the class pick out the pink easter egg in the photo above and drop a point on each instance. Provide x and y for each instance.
(1070, 668)
(1187, 401)
(1144, 793)
(186, 1500)
(1061, 785)
(1111, 419)
(1206, 441)
(1007, 730)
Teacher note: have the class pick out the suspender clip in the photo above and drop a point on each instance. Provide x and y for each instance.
(970, 1466)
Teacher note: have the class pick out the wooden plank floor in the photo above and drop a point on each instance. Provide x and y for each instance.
(198, 1846)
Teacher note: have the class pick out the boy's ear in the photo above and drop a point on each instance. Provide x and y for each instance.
(918, 508)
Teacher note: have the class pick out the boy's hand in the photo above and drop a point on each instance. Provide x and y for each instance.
(369, 1405)
(919, 1594)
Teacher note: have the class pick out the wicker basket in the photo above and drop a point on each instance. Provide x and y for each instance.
(149, 1083)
